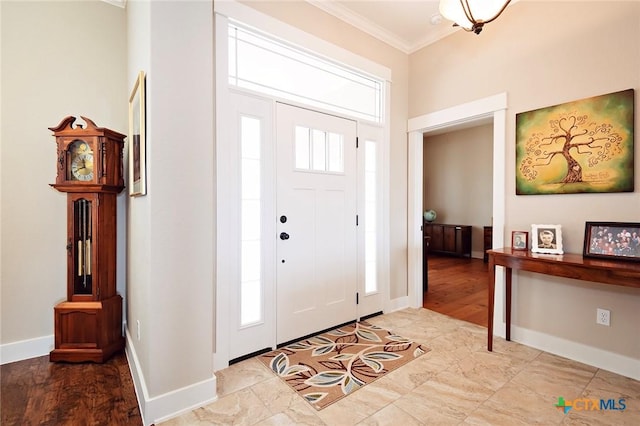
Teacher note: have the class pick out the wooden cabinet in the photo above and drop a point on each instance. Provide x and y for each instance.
(448, 239)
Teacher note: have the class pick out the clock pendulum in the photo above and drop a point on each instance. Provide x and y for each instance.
(88, 325)
(83, 210)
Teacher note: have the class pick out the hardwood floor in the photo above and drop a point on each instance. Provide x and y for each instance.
(38, 392)
(458, 288)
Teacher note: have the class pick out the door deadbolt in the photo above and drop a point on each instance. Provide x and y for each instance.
(283, 219)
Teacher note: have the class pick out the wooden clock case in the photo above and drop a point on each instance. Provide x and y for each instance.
(88, 325)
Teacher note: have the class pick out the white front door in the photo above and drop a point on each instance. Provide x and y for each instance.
(316, 222)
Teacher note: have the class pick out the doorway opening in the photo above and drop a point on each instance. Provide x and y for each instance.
(457, 186)
(491, 109)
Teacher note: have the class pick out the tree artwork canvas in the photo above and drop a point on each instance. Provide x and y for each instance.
(577, 147)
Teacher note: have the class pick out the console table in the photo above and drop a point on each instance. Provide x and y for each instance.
(568, 265)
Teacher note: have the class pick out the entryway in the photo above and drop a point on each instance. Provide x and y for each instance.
(304, 246)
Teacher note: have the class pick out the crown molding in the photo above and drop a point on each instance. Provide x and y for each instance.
(362, 24)
(358, 21)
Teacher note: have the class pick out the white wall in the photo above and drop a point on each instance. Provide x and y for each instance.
(171, 250)
(544, 56)
(56, 62)
(138, 241)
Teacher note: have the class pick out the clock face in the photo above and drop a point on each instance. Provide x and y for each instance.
(81, 165)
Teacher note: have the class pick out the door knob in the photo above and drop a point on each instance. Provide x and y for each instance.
(284, 236)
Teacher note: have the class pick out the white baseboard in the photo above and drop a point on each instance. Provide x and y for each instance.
(25, 349)
(171, 404)
(397, 304)
(596, 357)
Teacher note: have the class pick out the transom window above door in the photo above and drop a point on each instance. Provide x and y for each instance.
(264, 64)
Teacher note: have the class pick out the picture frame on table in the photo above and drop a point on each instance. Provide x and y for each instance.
(546, 239)
(520, 240)
(612, 240)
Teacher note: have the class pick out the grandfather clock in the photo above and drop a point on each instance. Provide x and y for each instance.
(88, 325)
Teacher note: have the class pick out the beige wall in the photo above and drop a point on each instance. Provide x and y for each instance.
(64, 58)
(55, 62)
(458, 170)
(543, 56)
(320, 24)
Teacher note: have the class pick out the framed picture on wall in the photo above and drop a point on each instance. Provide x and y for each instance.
(582, 146)
(520, 240)
(137, 138)
(546, 239)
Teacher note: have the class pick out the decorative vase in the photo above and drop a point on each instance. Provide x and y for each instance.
(430, 215)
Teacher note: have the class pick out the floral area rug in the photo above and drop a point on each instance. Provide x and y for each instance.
(331, 365)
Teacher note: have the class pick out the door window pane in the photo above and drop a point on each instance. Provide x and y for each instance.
(303, 150)
(250, 179)
(336, 152)
(318, 150)
(250, 226)
(319, 153)
(370, 234)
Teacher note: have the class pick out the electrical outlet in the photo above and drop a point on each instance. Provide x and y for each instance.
(603, 317)
(138, 331)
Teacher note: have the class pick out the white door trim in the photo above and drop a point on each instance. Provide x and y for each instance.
(490, 108)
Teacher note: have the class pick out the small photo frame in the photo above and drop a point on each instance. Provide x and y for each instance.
(520, 240)
(137, 139)
(546, 239)
(612, 240)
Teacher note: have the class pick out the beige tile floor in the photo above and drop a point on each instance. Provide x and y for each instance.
(457, 382)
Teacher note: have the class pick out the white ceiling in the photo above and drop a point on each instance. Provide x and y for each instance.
(407, 25)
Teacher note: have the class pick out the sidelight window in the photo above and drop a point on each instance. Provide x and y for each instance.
(250, 278)
(370, 210)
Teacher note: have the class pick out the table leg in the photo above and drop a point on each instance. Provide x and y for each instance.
(491, 295)
(508, 272)
(425, 264)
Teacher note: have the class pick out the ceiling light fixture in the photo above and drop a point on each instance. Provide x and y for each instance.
(471, 15)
